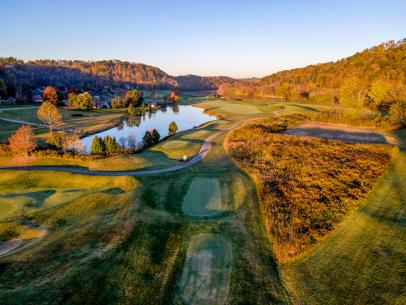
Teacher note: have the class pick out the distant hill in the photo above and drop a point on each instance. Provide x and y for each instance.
(97, 74)
(326, 83)
(194, 82)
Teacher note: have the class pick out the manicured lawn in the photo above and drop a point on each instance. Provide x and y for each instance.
(206, 274)
(89, 122)
(203, 198)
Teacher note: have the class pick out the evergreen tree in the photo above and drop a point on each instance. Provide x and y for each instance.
(155, 136)
(97, 147)
(111, 145)
(148, 139)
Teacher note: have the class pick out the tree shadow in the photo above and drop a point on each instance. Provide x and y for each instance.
(37, 197)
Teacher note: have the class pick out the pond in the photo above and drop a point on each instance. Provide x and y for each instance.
(131, 131)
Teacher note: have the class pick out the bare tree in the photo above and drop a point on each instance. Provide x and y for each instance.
(23, 140)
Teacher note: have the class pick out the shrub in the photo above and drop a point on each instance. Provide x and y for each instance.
(56, 140)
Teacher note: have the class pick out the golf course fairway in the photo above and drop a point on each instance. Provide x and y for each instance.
(203, 198)
(206, 273)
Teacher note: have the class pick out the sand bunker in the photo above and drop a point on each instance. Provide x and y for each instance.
(10, 245)
(340, 132)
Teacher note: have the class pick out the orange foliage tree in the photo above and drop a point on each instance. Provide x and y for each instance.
(22, 141)
(50, 95)
(50, 115)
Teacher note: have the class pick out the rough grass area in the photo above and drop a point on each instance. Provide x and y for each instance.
(364, 260)
(25, 192)
(206, 272)
(79, 229)
(307, 185)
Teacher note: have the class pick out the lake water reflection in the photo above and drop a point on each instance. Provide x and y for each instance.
(133, 129)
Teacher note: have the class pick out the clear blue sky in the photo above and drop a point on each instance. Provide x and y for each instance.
(236, 38)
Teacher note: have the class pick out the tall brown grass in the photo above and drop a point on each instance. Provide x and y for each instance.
(307, 185)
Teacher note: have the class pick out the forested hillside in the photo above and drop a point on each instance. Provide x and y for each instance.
(191, 82)
(373, 76)
(96, 75)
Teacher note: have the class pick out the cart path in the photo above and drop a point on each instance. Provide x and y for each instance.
(204, 150)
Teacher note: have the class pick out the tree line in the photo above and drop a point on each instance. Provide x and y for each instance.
(17, 75)
(374, 78)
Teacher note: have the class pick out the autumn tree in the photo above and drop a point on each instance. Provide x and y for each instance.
(83, 101)
(284, 90)
(174, 97)
(132, 97)
(377, 93)
(49, 114)
(132, 111)
(22, 141)
(397, 113)
(117, 102)
(352, 92)
(173, 128)
(50, 95)
(397, 90)
(111, 146)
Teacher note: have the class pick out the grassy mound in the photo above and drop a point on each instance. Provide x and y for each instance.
(206, 274)
(83, 216)
(307, 185)
(24, 192)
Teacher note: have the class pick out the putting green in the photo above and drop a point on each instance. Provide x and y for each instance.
(206, 274)
(204, 199)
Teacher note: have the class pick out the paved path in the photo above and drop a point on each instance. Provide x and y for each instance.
(18, 108)
(204, 150)
(72, 130)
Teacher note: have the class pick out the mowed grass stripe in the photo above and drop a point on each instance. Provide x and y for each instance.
(203, 198)
(205, 279)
